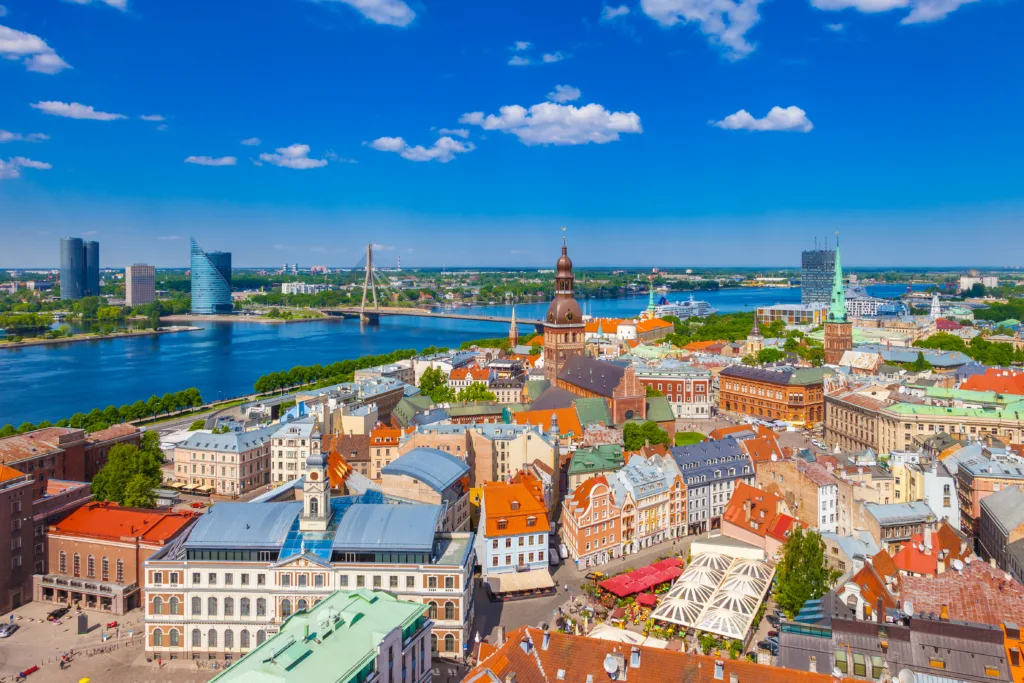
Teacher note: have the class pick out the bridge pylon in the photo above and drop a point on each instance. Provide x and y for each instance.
(369, 287)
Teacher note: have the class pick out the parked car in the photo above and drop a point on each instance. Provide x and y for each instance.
(553, 559)
(57, 614)
(562, 551)
(773, 634)
(769, 645)
(8, 629)
(773, 620)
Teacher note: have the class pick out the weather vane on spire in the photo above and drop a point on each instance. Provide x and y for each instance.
(563, 236)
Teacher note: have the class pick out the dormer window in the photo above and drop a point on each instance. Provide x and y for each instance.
(531, 521)
(502, 524)
(515, 504)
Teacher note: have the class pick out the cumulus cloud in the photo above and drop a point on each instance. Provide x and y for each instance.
(608, 13)
(790, 119)
(251, 142)
(443, 150)
(117, 4)
(74, 110)
(390, 12)
(152, 117)
(725, 22)
(7, 136)
(564, 93)
(211, 161)
(11, 168)
(30, 50)
(552, 57)
(458, 132)
(521, 45)
(835, 28)
(294, 156)
(549, 123)
(921, 11)
(518, 60)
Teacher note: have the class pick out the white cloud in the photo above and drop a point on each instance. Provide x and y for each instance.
(117, 4)
(458, 132)
(74, 110)
(518, 60)
(548, 123)
(921, 11)
(790, 119)
(443, 150)
(31, 50)
(11, 168)
(391, 12)
(835, 28)
(726, 22)
(564, 93)
(609, 13)
(251, 142)
(293, 156)
(211, 161)
(7, 136)
(152, 117)
(521, 45)
(552, 57)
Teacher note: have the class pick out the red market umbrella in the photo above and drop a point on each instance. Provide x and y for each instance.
(647, 599)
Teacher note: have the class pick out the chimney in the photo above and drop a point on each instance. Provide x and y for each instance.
(547, 640)
(944, 613)
(880, 610)
(526, 645)
(510, 677)
(927, 541)
(746, 510)
(499, 637)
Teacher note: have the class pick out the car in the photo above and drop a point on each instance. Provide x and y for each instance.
(57, 614)
(562, 551)
(773, 639)
(773, 634)
(553, 559)
(773, 620)
(769, 645)
(8, 629)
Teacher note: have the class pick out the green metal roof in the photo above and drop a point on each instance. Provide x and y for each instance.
(659, 410)
(595, 459)
(968, 395)
(803, 376)
(837, 306)
(475, 408)
(409, 406)
(536, 387)
(592, 411)
(1011, 411)
(334, 641)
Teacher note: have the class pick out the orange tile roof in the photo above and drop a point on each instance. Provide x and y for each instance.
(575, 658)
(110, 521)
(581, 496)
(513, 503)
(722, 432)
(702, 345)
(652, 324)
(114, 432)
(568, 420)
(32, 444)
(607, 325)
(8, 473)
(872, 587)
(385, 436)
(474, 373)
(783, 524)
(536, 341)
(883, 564)
(998, 380)
(338, 470)
(762, 449)
(764, 508)
(980, 593)
(911, 559)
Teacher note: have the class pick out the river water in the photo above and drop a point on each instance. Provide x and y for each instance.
(224, 359)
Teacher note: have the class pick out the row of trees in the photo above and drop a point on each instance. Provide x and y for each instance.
(434, 383)
(340, 371)
(97, 419)
(24, 322)
(979, 348)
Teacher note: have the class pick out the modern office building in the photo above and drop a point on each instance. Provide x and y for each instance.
(139, 285)
(92, 269)
(72, 268)
(211, 281)
(817, 267)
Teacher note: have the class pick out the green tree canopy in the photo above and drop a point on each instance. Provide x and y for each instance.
(636, 436)
(802, 574)
(770, 355)
(652, 392)
(131, 474)
(919, 364)
(476, 392)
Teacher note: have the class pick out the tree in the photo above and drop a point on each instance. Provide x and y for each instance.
(802, 574)
(154, 406)
(476, 392)
(770, 355)
(25, 427)
(197, 424)
(536, 349)
(919, 364)
(111, 415)
(749, 359)
(8, 430)
(129, 465)
(652, 392)
(791, 345)
(636, 436)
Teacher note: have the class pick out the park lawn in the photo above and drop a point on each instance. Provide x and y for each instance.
(689, 438)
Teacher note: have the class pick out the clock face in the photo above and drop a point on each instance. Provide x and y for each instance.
(551, 317)
(314, 475)
(569, 315)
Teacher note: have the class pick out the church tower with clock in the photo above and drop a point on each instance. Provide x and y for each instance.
(564, 330)
(316, 495)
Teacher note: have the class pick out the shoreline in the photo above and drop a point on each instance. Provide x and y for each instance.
(95, 337)
(188, 317)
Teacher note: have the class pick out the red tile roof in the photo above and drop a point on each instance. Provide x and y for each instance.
(473, 373)
(109, 521)
(32, 444)
(762, 449)
(997, 379)
(568, 420)
(980, 593)
(575, 658)
(912, 560)
(737, 431)
(872, 587)
(9, 473)
(111, 433)
(653, 324)
(764, 507)
(782, 526)
(513, 504)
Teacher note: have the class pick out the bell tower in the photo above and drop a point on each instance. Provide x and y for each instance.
(564, 329)
(316, 495)
(838, 329)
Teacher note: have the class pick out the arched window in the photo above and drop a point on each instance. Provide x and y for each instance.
(197, 638)
(261, 607)
(211, 638)
(449, 643)
(433, 642)
(243, 607)
(173, 606)
(314, 507)
(175, 642)
(302, 606)
(433, 609)
(158, 605)
(63, 562)
(211, 607)
(229, 607)
(105, 569)
(120, 571)
(449, 610)
(158, 637)
(90, 567)
(229, 639)
(286, 608)
(77, 567)
(244, 639)
(261, 635)
(197, 606)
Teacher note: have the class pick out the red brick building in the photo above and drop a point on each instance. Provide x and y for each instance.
(592, 378)
(95, 555)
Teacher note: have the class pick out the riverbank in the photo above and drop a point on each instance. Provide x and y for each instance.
(95, 337)
(189, 318)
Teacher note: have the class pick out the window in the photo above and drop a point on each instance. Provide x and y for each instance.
(197, 606)
(360, 581)
(318, 581)
(376, 581)
(261, 607)
(158, 605)
(261, 579)
(410, 582)
(229, 639)
(158, 638)
(841, 662)
(229, 607)
(211, 638)
(77, 565)
(449, 610)
(393, 582)
(876, 667)
(344, 580)
(105, 569)
(244, 639)
(286, 579)
(245, 581)
(432, 582)
(197, 638)
(432, 609)
(260, 637)
(229, 579)
(494, 544)
(174, 606)
(302, 606)
(449, 643)
(211, 607)
(63, 562)
(196, 578)
(286, 608)
(174, 638)
(302, 579)
(859, 665)
(211, 579)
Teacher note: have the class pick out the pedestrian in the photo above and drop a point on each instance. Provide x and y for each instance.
(566, 588)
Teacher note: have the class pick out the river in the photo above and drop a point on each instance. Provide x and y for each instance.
(224, 359)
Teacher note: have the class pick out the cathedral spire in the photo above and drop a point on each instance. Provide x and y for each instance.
(513, 331)
(837, 306)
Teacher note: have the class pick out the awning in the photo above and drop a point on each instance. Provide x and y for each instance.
(514, 582)
(175, 485)
(647, 599)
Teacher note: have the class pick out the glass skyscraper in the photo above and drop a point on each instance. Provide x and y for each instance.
(72, 268)
(92, 269)
(211, 281)
(817, 270)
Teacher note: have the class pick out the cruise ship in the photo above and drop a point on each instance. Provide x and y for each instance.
(683, 309)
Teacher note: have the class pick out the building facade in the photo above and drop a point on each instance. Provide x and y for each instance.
(428, 475)
(513, 530)
(590, 523)
(564, 329)
(139, 285)
(838, 329)
(687, 388)
(211, 281)
(816, 271)
(592, 378)
(710, 472)
(225, 464)
(72, 268)
(292, 443)
(792, 395)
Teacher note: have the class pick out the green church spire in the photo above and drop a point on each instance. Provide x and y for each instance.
(837, 308)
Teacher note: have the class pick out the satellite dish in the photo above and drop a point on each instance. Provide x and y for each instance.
(908, 607)
(958, 565)
(611, 667)
(907, 676)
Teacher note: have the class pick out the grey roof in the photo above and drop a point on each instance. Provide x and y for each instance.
(777, 375)
(432, 466)
(244, 525)
(429, 417)
(408, 528)
(234, 442)
(900, 513)
(300, 428)
(853, 546)
(712, 460)
(940, 359)
(1006, 507)
(553, 398)
(593, 375)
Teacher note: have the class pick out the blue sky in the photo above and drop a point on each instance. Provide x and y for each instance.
(660, 132)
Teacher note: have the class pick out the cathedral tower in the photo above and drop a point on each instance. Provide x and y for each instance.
(838, 329)
(564, 329)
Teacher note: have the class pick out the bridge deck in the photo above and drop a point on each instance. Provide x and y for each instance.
(420, 313)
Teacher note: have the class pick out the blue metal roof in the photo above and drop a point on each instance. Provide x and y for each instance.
(244, 525)
(432, 466)
(381, 528)
(320, 543)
